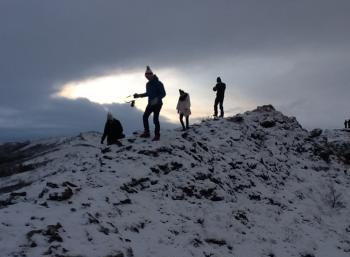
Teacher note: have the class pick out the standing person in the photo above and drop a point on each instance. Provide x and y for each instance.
(183, 108)
(113, 131)
(220, 88)
(155, 92)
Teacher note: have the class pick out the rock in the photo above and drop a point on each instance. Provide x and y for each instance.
(323, 151)
(268, 123)
(6, 202)
(52, 233)
(241, 216)
(341, 150)
(258, 135)
(135, 184)
(307, 255)
(44, 204)
(67, 184)
(65, 195)
(126, 201)
(215, 241)
(238, 118)
(254, 197)
(14, 194)
(347, 229)
(119, 254)
(315, 133)
(106, 150)
(216, 198)
(265, 108)
(52, 185)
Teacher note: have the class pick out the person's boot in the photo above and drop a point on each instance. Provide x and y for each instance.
(156, 138)
(145, 134)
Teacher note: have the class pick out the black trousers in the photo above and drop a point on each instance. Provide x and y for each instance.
(182, 121)
(156, 110)
(220, 101)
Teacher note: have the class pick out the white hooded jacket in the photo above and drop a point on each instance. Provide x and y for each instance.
(184, 107)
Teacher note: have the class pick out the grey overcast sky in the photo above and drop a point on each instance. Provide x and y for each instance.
(292, 54)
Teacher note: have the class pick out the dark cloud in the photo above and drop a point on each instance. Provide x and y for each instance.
(45, 44)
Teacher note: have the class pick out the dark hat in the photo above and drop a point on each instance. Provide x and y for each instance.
(218, 79)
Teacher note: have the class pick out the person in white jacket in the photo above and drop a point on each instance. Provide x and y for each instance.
(184, 108)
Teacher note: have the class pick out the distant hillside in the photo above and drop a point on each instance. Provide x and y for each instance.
(255, 184)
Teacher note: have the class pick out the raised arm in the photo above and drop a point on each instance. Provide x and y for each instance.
(140, 95)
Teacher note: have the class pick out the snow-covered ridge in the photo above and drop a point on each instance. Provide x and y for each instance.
(256, 184)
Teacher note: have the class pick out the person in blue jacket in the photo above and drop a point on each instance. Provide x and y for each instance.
(155, 92)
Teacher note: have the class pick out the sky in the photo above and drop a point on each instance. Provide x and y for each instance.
(64, 64)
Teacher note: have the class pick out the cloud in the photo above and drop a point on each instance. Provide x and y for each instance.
(265, 50)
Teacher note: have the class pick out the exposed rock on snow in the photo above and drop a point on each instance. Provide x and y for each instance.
(315, 133)
(255, 184)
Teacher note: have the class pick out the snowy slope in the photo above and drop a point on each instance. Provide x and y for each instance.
(256, 184)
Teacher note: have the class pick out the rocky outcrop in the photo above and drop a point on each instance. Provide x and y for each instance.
(255, 184)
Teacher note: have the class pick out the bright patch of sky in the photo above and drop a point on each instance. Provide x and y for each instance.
(119, 88)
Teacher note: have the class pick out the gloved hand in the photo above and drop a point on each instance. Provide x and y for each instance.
(136, 95)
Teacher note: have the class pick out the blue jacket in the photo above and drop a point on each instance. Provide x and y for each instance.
(154, 91)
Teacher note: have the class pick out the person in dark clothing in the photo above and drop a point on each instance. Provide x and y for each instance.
(155, 92)
(220, 88)
(113, 131)
(346, 124)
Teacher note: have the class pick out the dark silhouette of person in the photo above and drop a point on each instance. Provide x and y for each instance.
(155, 92)
(113, 131)
(346, 124)
(220, 88)
(183, 108)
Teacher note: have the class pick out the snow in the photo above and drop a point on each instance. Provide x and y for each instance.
(223, 188)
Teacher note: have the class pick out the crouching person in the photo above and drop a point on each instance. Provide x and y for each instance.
(113, 131)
